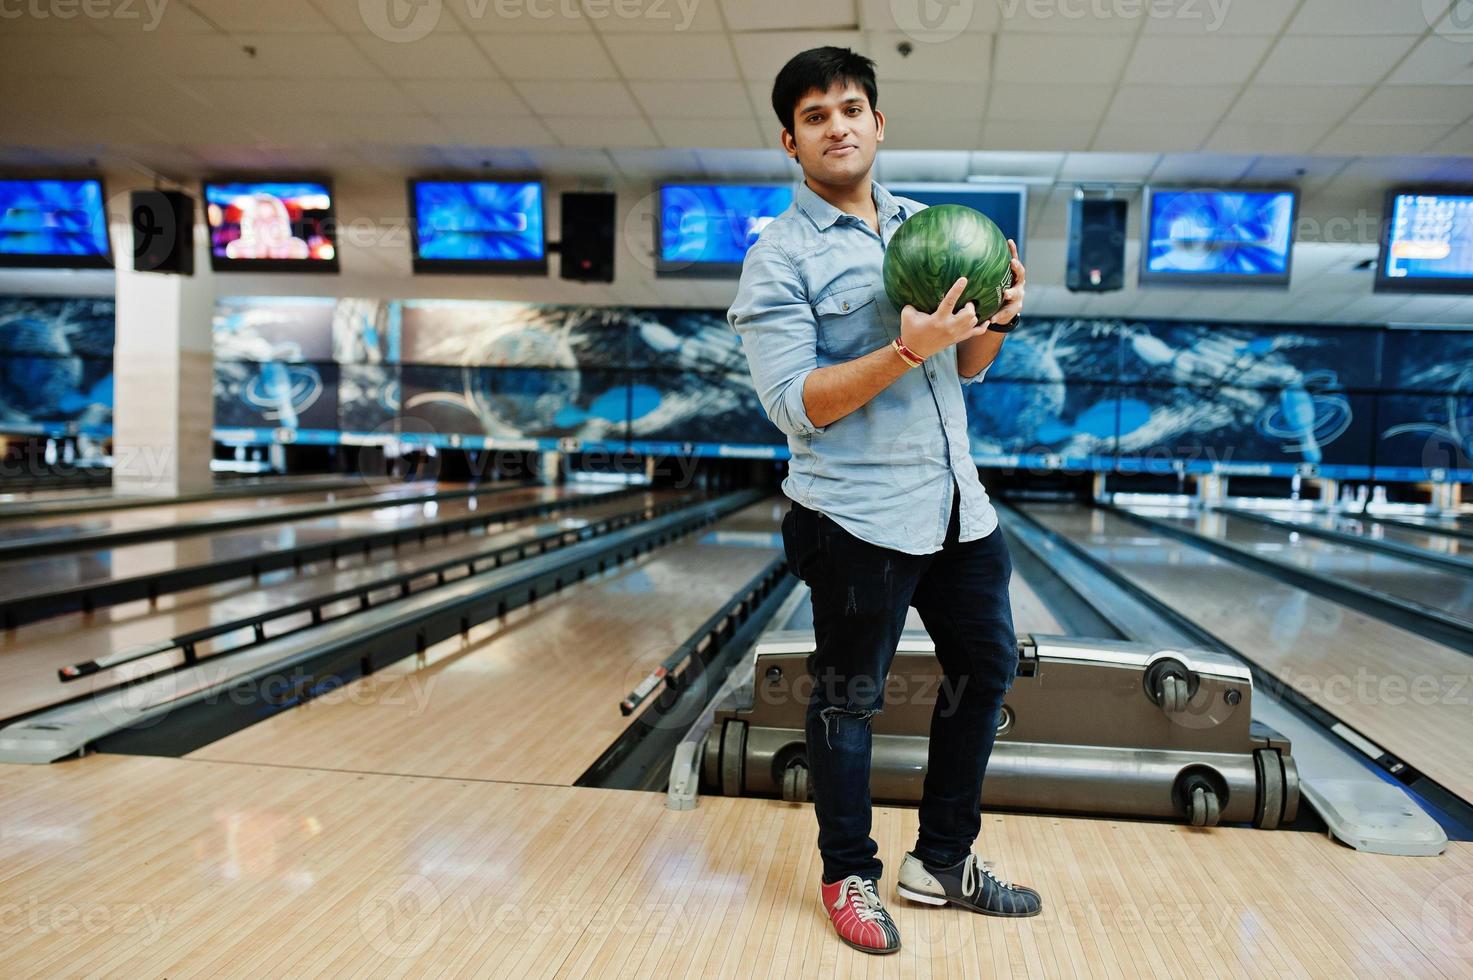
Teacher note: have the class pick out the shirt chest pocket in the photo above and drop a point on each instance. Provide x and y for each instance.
(848, 321)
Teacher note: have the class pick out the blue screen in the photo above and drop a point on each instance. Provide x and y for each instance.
(53, 218)
(716, 222)
(1219, 234)
(1431, 236)
(481, 221)
(1004, 205)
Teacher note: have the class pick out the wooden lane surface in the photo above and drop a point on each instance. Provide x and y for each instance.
(29, 576)
(137, 866)
(1410, 695)
(51, 528)
(31, 655)
(1429, 585)
(532, 697)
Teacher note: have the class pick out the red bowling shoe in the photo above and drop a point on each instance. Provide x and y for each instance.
(860, 919)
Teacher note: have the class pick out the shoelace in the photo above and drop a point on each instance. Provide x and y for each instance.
(862, 898)
(970, 880)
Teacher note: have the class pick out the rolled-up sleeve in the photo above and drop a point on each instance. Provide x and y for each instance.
(779, 334)
(974, 378)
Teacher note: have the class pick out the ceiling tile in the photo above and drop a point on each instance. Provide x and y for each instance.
(263, 16)
(754, 164)
(1208, 60)
(651, 17)
(1379, 138)
(1049, 103)
(960, 101)
(932, 133)
(1458, 141)
(275, 56)
(1202, 168)
(548, 56)
(88, 55)
(600, 131)
(371, 17)
(949, 166)
(672, 56)
(1336, 17)
(768, 15)
(708, 132)
(693, 99)
(1332, 60)
(1220, 18)
(1171, 137)
(1049, 58)
(1136, 104)
(1107, 166)
(1295, 103)
(578, 98)
(1265, 137)
(486, 130)
(436, 56)
(1415, 104)
(465, 98)
(1437, 61)
(760, 56)
(1025, 135)
(519, 16)
(282, 95)
(964, 58)
(1050, 17)
(926, 23)
(654, 164)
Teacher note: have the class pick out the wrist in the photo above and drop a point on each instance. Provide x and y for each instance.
(910, 357)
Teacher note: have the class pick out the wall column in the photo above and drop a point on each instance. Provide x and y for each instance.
(163, 371)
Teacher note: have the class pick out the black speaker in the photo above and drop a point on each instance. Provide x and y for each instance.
(163, 232)
(1096, 246)
(587, 245)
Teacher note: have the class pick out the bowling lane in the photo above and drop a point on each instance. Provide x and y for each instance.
(31, 655)
(22, 504)
(25, 577)
(535, 697)
(1430, 540)
(58, 527)
(1406, 693)
(1413, 581)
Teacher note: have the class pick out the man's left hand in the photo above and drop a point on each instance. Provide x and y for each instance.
(1012, 297)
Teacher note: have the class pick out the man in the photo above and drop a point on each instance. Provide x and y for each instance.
(887, 510)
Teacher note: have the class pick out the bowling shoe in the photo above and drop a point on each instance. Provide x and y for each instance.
(858, 915)
(967, 883)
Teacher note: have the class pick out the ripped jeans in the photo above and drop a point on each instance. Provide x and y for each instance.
(861, 595)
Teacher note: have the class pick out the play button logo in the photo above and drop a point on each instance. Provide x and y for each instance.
(400, 21)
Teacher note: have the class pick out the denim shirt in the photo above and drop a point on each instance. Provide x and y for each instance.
(811, 295)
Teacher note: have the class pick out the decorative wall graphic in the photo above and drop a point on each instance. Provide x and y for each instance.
(1071, 393)
(56, 371)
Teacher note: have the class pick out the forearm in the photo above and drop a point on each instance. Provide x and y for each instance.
(978, 353)
(830, 393)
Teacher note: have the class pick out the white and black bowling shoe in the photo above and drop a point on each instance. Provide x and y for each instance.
(967, 883)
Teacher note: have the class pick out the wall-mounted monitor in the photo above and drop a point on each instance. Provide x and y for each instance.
(53, 224)
(1005, 204)
(478, 226)
(1217, 237)
(1426, 242)
(704, 230)
(271, 226)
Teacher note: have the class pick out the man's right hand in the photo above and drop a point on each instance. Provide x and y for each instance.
(927, 333)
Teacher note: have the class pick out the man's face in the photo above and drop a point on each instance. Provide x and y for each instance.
(835, 134)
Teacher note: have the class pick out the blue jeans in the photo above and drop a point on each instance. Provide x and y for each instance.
(861, 595)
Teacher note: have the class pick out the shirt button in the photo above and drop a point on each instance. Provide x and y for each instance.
(845, 306)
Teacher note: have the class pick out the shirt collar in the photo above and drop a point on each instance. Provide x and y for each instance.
(823, 214)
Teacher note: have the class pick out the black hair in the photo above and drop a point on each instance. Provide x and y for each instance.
(819, 68)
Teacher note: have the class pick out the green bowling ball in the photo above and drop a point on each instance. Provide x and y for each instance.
(935, 246)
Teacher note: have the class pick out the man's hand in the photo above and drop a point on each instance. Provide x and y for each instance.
(1012, 297)
(927, 333)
